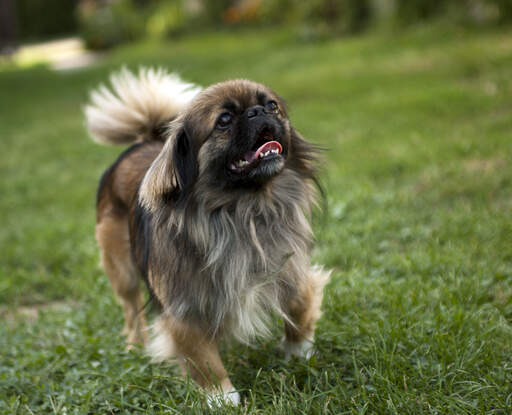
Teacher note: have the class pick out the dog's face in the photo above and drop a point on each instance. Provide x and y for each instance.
(241, 134)
(234, 135)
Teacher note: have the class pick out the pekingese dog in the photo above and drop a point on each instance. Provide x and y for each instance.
(211, 206)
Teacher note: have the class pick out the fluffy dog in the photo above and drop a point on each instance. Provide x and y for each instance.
(210, 206)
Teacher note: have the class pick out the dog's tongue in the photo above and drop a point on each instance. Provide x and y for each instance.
(250, 156)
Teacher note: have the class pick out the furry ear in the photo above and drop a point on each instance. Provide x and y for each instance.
(304, 155)
(172, 174)
(305, 159)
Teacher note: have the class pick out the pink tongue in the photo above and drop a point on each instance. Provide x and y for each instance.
(250, 156)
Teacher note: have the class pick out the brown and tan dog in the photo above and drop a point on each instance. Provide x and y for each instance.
(211, 207)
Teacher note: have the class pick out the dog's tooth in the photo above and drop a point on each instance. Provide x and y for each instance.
(241, 163)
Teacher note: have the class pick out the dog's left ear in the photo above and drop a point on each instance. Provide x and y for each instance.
(304, 155)
(173, 173)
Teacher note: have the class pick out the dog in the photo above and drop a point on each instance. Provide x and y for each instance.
(211, 207)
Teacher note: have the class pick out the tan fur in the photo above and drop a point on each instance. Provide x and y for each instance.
(220, 260)
(112, 235)
(113, 240)
(304, 309)
(197, 353)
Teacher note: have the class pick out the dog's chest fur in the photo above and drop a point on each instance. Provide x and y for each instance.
(228, 267)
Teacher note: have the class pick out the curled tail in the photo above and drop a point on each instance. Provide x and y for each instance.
(136, 108)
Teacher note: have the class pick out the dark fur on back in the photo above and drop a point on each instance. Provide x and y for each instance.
(105, 184)
(140, 243)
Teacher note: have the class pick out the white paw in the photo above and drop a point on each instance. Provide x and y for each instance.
(303, 349)
(231, 397)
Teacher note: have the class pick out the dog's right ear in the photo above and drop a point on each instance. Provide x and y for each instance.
(173, 173)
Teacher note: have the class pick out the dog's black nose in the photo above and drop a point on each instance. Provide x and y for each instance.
(255, 111)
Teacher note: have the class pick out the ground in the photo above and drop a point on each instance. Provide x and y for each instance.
(418, 316)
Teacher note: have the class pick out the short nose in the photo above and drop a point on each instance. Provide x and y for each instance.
(255, 111)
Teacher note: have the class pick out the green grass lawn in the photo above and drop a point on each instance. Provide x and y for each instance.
(418, 316)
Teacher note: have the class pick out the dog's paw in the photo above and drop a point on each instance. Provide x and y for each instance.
(303, 349)
(219, 399)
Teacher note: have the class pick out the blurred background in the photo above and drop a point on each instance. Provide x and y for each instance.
(103, 24)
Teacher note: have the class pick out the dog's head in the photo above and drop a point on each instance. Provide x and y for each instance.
(234, 136)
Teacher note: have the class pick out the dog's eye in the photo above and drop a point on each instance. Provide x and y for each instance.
(224, 121)
(271, 106)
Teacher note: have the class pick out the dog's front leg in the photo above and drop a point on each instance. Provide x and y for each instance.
(303, 309)
(199, 357)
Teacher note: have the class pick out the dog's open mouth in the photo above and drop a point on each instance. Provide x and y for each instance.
(266, 148)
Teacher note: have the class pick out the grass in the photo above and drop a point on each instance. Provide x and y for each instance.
(418, 316)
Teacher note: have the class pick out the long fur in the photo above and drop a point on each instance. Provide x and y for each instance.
(242, 257)
(136, 106)
(218, 258)
(246, 251)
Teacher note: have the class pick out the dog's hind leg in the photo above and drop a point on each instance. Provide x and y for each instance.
(113, 238)
(303, 309)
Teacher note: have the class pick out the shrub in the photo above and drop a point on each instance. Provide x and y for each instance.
(108, 23)
(105, 25)
(408, 11)
(45, 18)
(166, 19)
(504, 9)
(341, 16)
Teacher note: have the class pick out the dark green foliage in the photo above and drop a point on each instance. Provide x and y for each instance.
(504, 9)
(417, 10)
(105, 25)
(334, 17)
(213, 11)
(345, 16)
(468, 11)
(45, 18)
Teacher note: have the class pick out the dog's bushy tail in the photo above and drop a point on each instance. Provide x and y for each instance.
(136, 107)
